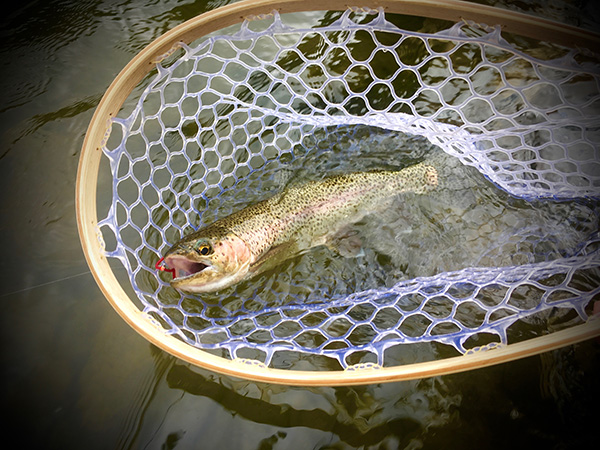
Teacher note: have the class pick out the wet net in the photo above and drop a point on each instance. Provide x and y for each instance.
(506, 248)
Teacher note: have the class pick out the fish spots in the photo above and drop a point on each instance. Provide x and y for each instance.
(431, 176)
(295, 220)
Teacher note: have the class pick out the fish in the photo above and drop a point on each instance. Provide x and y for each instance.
(262, 235)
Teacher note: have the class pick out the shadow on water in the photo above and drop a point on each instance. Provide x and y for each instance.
(537, 401)
(350, 416)
(257, 410)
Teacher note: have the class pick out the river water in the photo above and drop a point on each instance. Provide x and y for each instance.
(74, 375)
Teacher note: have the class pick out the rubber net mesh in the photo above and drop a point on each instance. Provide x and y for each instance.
(506, 248)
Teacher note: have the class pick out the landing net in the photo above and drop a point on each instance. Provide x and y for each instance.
(506, 250)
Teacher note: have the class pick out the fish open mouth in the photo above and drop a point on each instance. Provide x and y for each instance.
(180, 266)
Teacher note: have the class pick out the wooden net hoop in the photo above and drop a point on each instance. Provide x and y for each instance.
(191, 30)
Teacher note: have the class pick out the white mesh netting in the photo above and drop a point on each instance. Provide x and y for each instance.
(505, 249)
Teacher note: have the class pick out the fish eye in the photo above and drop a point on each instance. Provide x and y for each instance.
(204, 249)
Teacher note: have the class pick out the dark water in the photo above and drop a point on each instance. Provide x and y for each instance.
(74, 375)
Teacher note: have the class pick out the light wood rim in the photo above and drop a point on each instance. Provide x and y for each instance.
(220, 18)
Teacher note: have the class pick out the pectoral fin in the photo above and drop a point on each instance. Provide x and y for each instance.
(273, 257)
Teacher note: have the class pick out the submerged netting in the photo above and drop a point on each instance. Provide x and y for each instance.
(505, 249)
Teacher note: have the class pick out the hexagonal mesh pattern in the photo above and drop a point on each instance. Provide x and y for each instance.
(491, 257)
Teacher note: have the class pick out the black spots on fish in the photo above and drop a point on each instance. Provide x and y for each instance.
(431, 176)
(308, 212)
(419, 178)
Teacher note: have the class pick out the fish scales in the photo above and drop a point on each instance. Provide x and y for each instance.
(301, 217)
(308, 212)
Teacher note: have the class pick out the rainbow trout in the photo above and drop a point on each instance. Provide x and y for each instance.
(259, 237)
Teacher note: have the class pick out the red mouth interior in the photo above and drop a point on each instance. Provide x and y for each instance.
(180, 266)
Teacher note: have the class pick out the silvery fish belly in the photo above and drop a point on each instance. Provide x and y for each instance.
(261, 236)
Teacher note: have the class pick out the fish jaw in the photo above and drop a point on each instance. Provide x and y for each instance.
(184, 266)
(228, 264)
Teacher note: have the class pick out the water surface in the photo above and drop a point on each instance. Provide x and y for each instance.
(75, 375)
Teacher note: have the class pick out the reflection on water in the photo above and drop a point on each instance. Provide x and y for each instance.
(390, 414)
(493, 408)
(75, 375)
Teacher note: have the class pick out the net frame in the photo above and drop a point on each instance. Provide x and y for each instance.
(145, 61)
